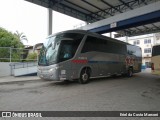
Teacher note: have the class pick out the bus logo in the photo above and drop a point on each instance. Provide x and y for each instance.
(129, 60)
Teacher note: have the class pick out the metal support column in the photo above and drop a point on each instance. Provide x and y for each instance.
(49, 21)
(110, 34)
(126, 39)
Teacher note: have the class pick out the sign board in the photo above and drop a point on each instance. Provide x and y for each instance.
(113, 25)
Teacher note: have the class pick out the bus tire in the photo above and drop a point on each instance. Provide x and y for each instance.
(130, 72)
(84, 76)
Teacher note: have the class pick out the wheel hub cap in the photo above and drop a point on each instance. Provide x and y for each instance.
(85, 77)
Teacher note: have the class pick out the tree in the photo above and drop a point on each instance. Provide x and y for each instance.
(21, 36)
(7, 39)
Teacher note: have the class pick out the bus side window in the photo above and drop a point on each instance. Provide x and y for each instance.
(67, 51)
(102, 45)
(87, 47)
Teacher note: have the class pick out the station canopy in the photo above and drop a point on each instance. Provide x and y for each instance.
(92, 11)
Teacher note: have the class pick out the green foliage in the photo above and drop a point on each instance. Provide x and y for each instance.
(7, 39)
(4, 53)
(32, 56)
(21, 36)
(17, 55)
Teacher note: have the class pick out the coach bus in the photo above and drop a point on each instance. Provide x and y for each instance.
(155, 60)
(81, 55)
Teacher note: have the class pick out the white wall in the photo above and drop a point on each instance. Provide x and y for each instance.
(142, 45)
(146, 57)
(5, 69)
(25, 71)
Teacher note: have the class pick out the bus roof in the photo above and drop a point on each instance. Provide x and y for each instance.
(90, 33)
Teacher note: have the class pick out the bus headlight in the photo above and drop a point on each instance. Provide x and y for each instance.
(51, 70)
(58, 67)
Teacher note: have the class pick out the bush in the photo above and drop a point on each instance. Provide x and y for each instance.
(32, 57)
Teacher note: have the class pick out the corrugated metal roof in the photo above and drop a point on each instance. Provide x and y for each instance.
(95, 10)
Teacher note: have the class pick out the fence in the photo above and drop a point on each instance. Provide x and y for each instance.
(17, 61)
(9, 54)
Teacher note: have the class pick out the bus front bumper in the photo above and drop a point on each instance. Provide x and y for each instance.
(48, 73)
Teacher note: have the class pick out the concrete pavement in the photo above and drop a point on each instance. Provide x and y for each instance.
(138, 93)
(12, 79)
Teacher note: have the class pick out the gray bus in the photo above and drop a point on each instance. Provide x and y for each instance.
(79, 54)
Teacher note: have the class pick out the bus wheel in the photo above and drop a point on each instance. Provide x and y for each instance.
(130, 72)
(84, 76)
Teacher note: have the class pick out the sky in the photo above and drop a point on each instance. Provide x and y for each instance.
(31, 19)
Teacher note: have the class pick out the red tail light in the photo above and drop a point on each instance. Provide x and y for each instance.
(152, 66)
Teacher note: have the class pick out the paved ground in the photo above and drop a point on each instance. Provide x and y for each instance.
(139, 93)
(12, 79)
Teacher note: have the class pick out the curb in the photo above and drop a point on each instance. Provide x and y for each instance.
(15, 82)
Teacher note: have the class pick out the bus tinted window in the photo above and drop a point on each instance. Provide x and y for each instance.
(134, 50)
(94, 44)
(101, 45)
(117, 48)
(59, 43)
(68, 49)
(156, 50)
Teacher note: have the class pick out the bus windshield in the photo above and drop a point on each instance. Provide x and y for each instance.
(156, 50)
(59, 48)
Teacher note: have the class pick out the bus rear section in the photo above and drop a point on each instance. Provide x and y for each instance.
(155, 60)
(102, 57)
(133, 58)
